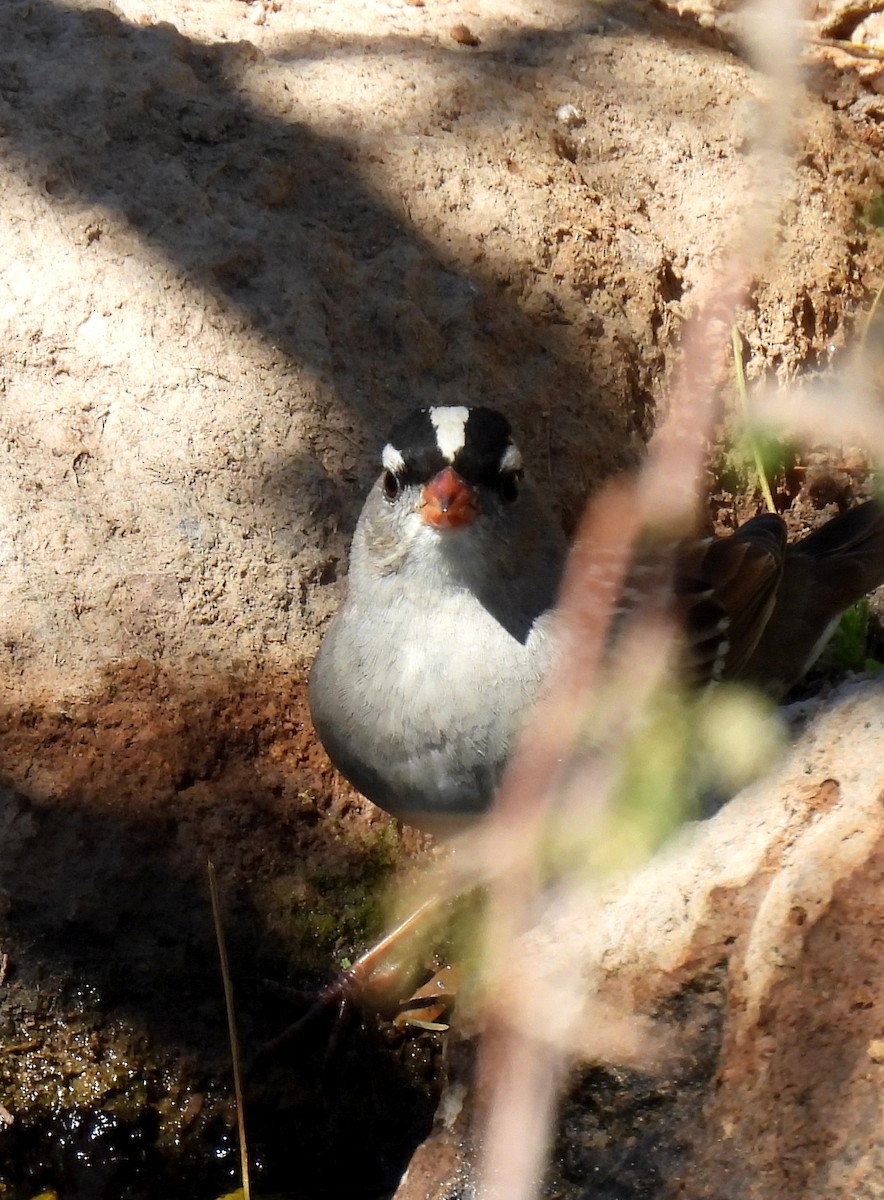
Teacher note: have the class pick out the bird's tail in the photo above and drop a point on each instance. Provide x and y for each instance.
(848, 553)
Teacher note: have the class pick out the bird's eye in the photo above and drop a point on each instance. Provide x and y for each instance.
(509, 486)
(390, 485)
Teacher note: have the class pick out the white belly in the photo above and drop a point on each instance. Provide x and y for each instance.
(421, 709)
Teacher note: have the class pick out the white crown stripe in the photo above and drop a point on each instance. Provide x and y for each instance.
(450, 425)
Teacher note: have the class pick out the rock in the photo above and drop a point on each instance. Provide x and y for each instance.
(755, 938)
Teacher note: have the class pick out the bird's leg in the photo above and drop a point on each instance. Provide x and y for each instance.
(377, 979)
(377, 973)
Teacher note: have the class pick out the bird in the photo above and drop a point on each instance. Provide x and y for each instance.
(429, 670)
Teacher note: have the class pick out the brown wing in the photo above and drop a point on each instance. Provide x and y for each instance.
(822, 575)
(725, 592)
(753, 608)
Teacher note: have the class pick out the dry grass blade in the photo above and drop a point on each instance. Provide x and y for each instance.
(744, 406)
(231, 1029)
(870, 317)
(857, 49)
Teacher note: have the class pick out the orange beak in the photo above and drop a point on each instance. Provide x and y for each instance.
(448, 502)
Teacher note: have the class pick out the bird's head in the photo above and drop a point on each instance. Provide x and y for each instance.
(448, 469)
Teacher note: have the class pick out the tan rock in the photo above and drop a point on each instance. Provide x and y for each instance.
(769, 916)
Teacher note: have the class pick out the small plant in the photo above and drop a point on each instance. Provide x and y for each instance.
(873, 211)
(849, 647)
(753, 458)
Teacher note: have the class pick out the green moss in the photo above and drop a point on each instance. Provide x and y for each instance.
(324, 917)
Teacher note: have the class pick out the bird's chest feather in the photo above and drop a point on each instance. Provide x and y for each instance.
(427, 674)
(441, 667)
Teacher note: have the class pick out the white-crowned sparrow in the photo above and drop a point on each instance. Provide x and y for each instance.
(428, 671)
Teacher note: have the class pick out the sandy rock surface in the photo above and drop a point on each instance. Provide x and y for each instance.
(239, 239)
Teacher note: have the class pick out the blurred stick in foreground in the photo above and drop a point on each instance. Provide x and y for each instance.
(524, 1051)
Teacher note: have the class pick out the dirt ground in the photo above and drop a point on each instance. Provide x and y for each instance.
(238, 240)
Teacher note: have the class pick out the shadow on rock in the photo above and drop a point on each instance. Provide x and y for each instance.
(111, 1008)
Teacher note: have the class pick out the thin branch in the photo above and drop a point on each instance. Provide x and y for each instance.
(231, 1030)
